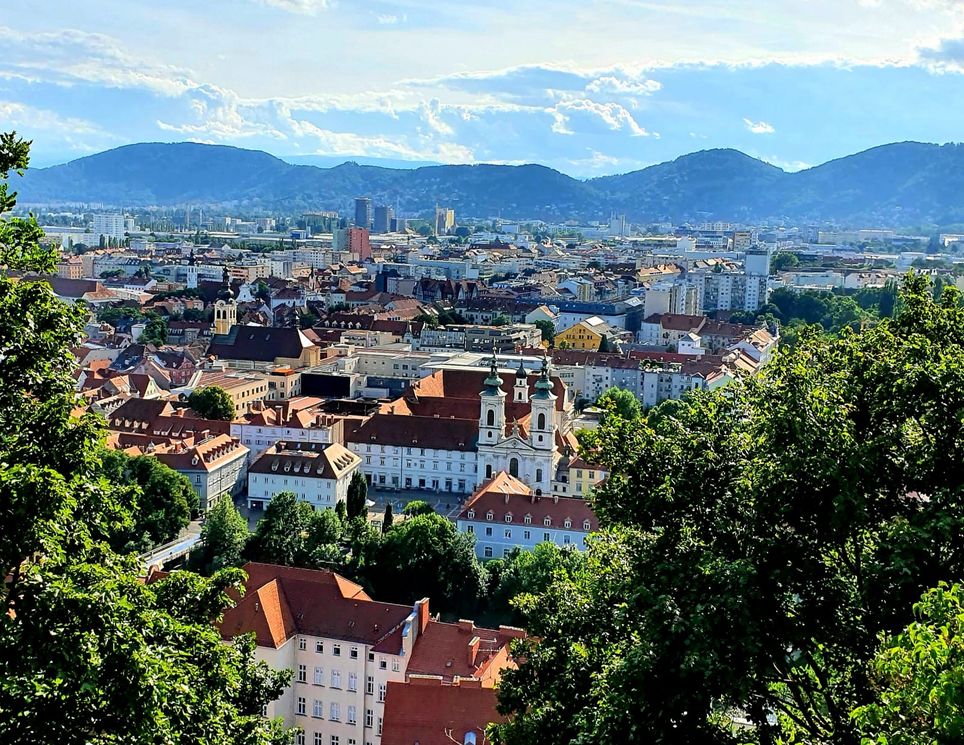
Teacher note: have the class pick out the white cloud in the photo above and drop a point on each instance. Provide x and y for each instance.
(305, 7)
(14, 114)
(614, 116)
(613, 84)
(759, 128)
(390, 19)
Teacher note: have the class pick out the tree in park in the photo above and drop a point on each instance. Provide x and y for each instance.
(425, 556)
(418, 507)
(529, 573)
(155, 332)
(919, 677)
(620, 403)
(223, 538)
(757, 542)
(165, 498)
(89, 653)
(357, 495)
(294, 534)
(212, 402)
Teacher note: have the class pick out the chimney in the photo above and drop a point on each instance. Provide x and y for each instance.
(422, 615)
(507, 497)
(555, 499)
(467, 626)
(473, 650)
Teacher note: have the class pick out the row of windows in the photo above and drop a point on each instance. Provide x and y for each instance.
(487, 550)
(547, 521)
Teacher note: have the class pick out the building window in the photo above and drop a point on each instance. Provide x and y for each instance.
(334, 740)
(381, 692)
(353, 653)
(567, 523)
(318, 709)
(487, 552)
(527, 535)
(395, 666)
(318, 739)
(379, 726)
(541, 421)
(334, 714)
(469, 528)
(470, 514)
(370, 686)
(547, 521)
(489, 515)
(508, 533)
(336, 678)
(352, 682)
(586, 525)
(528, 520)
(369, 717)
(382, 664)
(336, 650)
(545, 536)
(302, 674)
(352, 714)
(490, 418)
(300, 738)
(505, 553)
(319, 679)
(302, 706)
(514, 467)
(508, 517)
(302, 643)
(488, 531)
(565, 540)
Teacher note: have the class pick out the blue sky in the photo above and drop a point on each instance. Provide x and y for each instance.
(586, 87)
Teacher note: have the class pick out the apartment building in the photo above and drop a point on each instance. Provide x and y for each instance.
(315, 473)
(345, 649)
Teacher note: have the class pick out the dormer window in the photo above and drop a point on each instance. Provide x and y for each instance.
(586, 526)
(508, 517)
(470, 514)
(489, 515)
(568, 523)
(547, 522)
(528, 519)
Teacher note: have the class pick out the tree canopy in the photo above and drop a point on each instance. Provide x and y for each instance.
(89, 653)
(212, 402)
(223, 538)
(758, 539)
(357, 496)
(618, 402)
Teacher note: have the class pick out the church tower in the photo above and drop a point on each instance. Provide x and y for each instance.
(492, 413)
(542, 420)
(225, 309)
(520, 393)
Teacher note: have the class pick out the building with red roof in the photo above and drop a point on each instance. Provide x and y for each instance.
(355, 660)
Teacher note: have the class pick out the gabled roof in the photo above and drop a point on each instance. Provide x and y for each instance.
(426, 711)
(510, 501)
(259, 343)
(414, 431)
(280, 602)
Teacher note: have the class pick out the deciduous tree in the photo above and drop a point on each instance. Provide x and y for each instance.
(212, 402)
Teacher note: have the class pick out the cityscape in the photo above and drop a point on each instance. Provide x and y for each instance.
(477, 441)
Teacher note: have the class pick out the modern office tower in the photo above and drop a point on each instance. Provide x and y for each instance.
(383, 219)
(363, 212)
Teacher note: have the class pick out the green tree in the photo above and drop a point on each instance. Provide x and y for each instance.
(425, 556)
(784, 260)
(388, 519)
(212, 402)
(165, 498)
(293, 533)
(357, 495)
(618, 402)
(500, 319)
(155, 332)
(418, 507)
(530, 573)
(548, 329)
(341, 510)
(919, 676)
(89, 653)
(223, 538)
(758, 541)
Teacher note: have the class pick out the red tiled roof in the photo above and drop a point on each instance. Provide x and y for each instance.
(415, 431)
(427, 712)
(280, 602)
(510, 501)
(451, 649)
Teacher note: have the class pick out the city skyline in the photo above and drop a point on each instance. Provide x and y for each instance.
(602, 89)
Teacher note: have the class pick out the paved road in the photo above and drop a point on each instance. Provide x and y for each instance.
(185, 542)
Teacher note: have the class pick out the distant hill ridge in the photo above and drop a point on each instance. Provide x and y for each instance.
(907, 183)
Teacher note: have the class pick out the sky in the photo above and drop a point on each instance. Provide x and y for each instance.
(586, 87)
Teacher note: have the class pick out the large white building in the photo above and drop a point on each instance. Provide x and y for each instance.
(458, 427)
(504, 513)
(111, 225)
(315, 473)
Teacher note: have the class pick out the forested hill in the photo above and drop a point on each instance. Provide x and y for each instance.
(899, 184)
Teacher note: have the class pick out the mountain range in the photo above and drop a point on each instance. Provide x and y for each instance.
(901, 184)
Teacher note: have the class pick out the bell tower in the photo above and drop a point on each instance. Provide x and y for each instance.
(542, 420)
(492, 412)
(520, 393)
(225, 308)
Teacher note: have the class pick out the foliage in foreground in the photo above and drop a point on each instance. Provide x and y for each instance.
(758, 541)
(88, 652)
